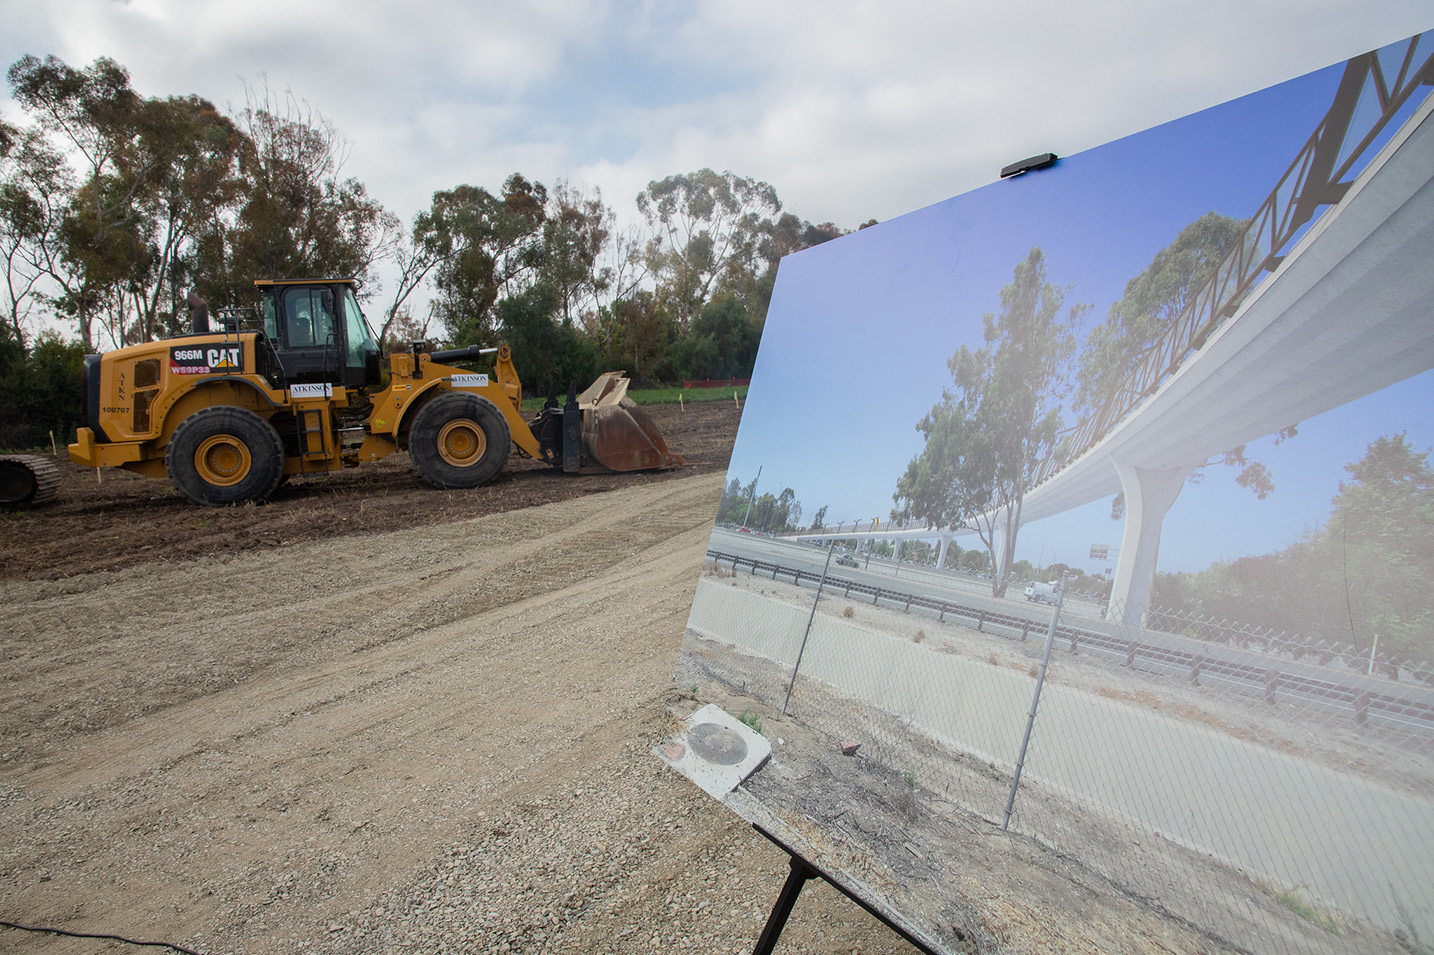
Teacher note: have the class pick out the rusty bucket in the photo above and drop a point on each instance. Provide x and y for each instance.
(617, 433)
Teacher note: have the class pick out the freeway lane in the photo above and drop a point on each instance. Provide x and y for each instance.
(880, 572)
(1276, 674)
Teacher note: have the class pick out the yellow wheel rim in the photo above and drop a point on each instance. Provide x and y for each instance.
(223, 460)
(461, 443)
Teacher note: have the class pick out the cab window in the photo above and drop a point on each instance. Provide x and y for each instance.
(309, 317)
(360, 341)
(271, 321)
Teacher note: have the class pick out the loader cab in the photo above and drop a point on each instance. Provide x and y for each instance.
(319, 332)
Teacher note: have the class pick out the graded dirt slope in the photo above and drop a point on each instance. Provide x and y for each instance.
(431, 739)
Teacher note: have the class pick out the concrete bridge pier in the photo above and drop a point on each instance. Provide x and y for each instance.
(1148, 496)
(946, 537)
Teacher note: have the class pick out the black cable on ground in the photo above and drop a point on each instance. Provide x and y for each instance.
(108, 938)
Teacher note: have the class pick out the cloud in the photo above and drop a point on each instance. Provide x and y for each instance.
(852, 109)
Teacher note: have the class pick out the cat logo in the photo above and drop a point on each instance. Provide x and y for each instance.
(218, 359)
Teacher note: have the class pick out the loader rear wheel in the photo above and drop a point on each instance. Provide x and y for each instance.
(459, 440)
(225, 455)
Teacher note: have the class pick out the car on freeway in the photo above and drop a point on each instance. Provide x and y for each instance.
(846, 560)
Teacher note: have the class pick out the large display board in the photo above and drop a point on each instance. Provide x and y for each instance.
(1220, 331)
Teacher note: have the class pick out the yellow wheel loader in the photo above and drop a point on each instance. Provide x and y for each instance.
(228, 414)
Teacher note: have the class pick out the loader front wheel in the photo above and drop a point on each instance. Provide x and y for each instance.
(459, 440)
(225, 455)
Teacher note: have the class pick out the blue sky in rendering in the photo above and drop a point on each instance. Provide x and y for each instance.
(855, 348)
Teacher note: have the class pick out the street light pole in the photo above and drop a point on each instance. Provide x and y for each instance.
(810, 617)
(748, 513)
(1035, 702)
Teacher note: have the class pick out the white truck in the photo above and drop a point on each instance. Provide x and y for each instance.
(1043, 593)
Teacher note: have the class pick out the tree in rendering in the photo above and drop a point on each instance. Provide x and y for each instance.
(1140, 320)
(1380, 538)
(999, 420)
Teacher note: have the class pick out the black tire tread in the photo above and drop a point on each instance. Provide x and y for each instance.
(43, 483)
(423, 440)
(266, 450)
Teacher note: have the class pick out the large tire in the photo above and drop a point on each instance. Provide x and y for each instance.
(225, 455)
(459, 440)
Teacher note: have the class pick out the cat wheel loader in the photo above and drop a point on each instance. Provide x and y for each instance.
(228, 414)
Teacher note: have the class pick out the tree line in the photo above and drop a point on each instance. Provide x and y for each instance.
(767, 513)
(1360, 581)
(115, 205)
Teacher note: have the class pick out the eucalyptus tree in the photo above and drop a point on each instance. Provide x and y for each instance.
(192, 155)
(491, 248)
(576, 231)
(1143, 316)
(93, 115)
(637, 333)
(1151, 303)
(708, 227)
(999, 419)
(296, 213)
(36, 185)
(780, 237)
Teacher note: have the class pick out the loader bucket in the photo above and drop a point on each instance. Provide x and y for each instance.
(617, 433)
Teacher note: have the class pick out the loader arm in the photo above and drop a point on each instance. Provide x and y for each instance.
(417, 379)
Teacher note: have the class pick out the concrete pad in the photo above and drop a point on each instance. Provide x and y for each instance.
(716, 751)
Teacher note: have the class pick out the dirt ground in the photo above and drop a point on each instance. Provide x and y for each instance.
(371, 717)
(119, 520)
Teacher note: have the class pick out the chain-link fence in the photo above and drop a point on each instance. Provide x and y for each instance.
(1274, 795)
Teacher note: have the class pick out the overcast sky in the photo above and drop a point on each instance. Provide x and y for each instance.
(852, 110)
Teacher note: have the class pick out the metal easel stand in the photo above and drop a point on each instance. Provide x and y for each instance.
(800, 874)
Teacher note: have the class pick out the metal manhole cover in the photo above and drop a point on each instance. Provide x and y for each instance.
(717, 744)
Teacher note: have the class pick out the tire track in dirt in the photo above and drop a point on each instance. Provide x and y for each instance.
(351, 735)
(114, 650)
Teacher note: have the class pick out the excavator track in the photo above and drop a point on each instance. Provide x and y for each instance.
(27, 480)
